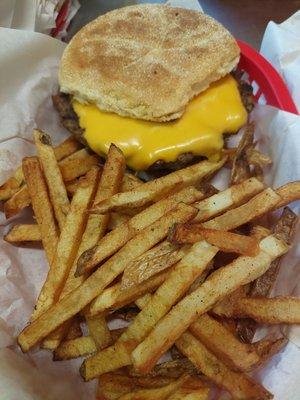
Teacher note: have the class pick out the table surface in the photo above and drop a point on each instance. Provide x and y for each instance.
(246, 19)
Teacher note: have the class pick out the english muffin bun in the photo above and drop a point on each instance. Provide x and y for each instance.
(146, 61)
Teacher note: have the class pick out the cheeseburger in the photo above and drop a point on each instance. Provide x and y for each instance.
(154, 80)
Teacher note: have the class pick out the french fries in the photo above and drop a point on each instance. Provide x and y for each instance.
(172, 369)
(114, 240)
(229, 198)
(179, 280)
(254, 208)
(13, 184)
(276, 310)
(81, 346)
(112, 386)
(96, 226)
(67, 244)
(161, 257)
(284, 229)
(114, 297)
(238, 384)
(146, 253)
(41, 205)
(225, 241)
(289, 193)
(222, 282)
(188, 394)
(240, 167)
(223, 344)
(23, 233)
(75, 167)
(54, 179)
(74, 348)
(157, 189)
(156, 394)
(79, 298)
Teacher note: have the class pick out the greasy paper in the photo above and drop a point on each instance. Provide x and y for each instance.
(28, 76)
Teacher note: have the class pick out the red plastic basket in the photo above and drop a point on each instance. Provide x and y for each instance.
(263, 76)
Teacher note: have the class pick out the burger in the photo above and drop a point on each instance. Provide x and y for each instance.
(154, 80)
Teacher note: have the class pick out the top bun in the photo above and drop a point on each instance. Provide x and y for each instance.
(146, 61)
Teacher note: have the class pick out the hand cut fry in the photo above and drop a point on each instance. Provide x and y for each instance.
(66, 148)
(225, 241)
(178, 282)
(237, 383)
(116, 220)
(41, 205)
(113, 385)
(17, 202)
(255, 207)
(68, 243)
(288, 193)
(172, 369)
(99, 331)
(74, 302)
(113, 297)
(223, 344)
(130, 182)
(155, 190)
(114, 240)
(96, 226)
(70, 170)
(276, 310)
(220, 283)
(54, 179)
(156, 394)
(75, 329)
(81, 346)
(161, 257)
(74, 348)
(240, 166)
(23, 233)
(232, 197)
(13, 184)
(188, 394)
(267, 348)
(284, 229)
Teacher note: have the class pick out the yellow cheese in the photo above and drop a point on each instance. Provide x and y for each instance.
(200, 130)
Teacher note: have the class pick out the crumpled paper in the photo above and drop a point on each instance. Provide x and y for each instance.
(28, 76)
(281, 46)
(34, 15)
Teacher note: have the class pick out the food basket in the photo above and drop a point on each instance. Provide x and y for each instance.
(269, 87)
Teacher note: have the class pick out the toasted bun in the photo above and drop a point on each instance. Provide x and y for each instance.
(146, 61)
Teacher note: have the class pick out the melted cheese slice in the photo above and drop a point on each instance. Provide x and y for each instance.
(200, 130)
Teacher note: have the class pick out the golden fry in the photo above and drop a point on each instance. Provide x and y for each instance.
(219, 284)
(68, 244)
(225, 241)
(41, 205)
(113, 297)
(23, 233)
(114, 240)
(238, 384)
(72, 303)
(155, 190)
(232, 197)
(54, 179)
(161, 257)
(177, 283)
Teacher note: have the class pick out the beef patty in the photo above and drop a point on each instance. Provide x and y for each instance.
(69, 119)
